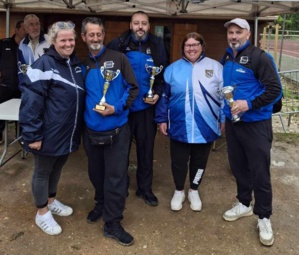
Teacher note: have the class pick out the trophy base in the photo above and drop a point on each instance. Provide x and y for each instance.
(236, 119)
(100, 107)
(149, 99)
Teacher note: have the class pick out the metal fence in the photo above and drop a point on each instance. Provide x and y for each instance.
(290, 100)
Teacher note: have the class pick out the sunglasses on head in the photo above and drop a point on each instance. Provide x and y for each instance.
(65, 24)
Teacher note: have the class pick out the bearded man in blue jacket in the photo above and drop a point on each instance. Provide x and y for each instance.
(143, 50)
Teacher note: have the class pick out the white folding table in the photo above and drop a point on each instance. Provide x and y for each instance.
(9, 111)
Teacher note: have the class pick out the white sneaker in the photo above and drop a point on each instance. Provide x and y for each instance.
(177, 200)
(60, 209)
(47, 224)
(266, 233)
(194, 199)
(238, 211)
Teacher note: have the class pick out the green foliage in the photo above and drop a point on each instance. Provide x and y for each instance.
(291, 22)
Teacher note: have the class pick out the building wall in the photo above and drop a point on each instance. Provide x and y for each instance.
(172, 29)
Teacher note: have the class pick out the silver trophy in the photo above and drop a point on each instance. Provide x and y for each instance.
(153, 71)
(228, 94)
(23, 68)
(108, 75)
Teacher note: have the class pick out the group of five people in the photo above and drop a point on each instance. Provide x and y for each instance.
(64, 98)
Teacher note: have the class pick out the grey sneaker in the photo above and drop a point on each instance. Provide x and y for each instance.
(60, 209)
(238, 211)
(265, 231)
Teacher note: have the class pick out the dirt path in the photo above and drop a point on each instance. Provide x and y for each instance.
(157, 230)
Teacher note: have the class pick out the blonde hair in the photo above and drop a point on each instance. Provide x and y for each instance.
(59, 26)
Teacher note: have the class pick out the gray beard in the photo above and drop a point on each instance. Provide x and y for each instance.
(96, 48)
(139, 38)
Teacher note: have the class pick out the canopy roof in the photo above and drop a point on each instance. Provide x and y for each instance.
(179, 8)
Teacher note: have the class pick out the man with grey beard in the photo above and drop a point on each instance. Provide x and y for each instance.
(144, 51)
(256, 88)
(111, 88)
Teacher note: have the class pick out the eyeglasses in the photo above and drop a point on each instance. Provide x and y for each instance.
(194, 45)
(65, 24)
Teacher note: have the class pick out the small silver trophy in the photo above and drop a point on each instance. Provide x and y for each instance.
(23, 68)
(153, 70)
(228, 94)
(108, 75)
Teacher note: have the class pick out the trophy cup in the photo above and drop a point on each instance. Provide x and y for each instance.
(23, 67)
(228, 94)
(153, 70)
(109, 75)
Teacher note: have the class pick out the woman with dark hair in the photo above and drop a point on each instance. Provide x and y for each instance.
(51, 116)
(189, 112)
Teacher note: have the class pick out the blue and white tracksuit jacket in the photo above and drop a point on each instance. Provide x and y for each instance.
(191, 102)
(52, 104)
(260, 93)
(26, 54)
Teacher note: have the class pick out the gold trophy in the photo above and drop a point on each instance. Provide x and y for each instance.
(228, 94)
(153, 70)
(108, 75)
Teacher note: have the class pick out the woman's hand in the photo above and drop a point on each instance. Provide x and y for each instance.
(36, 145)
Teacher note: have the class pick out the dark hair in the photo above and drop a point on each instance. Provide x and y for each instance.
(92, 20)
(19, 24)
(140, 12)
(195, 36)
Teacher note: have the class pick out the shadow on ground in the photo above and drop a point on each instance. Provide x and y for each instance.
(157, 230)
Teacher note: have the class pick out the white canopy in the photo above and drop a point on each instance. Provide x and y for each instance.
(183, 8)
(199, 9)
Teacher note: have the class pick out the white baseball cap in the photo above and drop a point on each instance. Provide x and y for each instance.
(242, 23)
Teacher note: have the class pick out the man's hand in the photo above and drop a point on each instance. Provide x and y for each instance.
(108, 111)
(163, 128)
(155, 100)
(239, 106)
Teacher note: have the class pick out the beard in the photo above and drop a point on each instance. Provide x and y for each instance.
(96, 47)
(237, 45)
(140, 38)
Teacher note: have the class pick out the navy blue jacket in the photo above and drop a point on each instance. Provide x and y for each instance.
(152, 52)
(52, 104)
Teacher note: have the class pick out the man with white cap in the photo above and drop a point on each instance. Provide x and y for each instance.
(256, 87)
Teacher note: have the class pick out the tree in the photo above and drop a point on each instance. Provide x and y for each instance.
(291, 22)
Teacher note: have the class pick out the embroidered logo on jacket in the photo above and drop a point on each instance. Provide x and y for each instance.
(209, 73)
(244, 60)
(108, 64)
(78, 69)
(240, 70)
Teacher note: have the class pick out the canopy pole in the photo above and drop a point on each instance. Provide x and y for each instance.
(282, 39)
(256, 24)
(7, 19)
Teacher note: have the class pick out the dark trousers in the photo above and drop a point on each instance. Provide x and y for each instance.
(107, 169)
(249, 148)
(46, 174)
(196, 155)
(143, 129)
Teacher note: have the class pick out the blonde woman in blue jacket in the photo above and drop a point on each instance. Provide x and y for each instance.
(189, 112)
